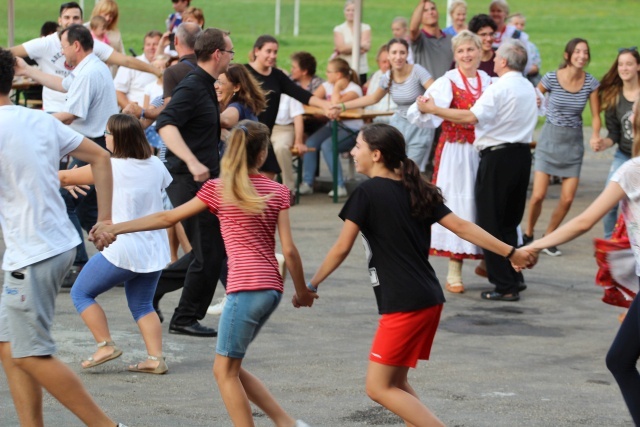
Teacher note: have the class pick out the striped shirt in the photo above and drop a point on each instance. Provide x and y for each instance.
(248, 238)
(564, 108)
(404, 94)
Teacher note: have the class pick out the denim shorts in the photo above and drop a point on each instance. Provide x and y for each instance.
(242, 317)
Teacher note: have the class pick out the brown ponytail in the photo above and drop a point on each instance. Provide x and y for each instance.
(424, 196)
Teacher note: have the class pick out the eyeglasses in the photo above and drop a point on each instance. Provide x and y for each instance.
(62, 48)
(106, 132)
(228, 51)
(628, 49)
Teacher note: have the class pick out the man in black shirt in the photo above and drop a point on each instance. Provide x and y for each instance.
(190, 127)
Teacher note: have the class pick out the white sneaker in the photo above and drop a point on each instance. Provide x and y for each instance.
(342, 191)
(300, 423)
(216, 309)
(305, 188)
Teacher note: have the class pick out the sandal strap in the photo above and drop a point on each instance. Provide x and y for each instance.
(106, 344)
(154, 358)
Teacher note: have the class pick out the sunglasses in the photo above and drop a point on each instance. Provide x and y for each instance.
(628, 49)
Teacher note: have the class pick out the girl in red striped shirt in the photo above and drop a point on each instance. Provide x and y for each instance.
(249, 207)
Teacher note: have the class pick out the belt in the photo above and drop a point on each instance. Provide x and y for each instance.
(505, 145)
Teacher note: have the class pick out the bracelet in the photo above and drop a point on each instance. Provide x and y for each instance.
(343, 106)
(141, 113)
(513, 250)
(312, 288)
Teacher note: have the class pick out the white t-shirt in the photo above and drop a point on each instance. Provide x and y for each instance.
(47, 52)
(133, 82)
(34, 219)
(91, 96)
(628, 176)
(288, 109)
(351, 87)
(347, 35)
(137, 192)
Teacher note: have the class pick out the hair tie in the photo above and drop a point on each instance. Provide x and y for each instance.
(244, 129)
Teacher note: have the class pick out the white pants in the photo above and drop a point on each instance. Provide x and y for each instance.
(282, 138)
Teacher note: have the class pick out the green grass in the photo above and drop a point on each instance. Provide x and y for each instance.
(606, 24)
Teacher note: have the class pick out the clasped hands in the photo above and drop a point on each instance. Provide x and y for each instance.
(102, 234)
(525, 257)
(305, 299)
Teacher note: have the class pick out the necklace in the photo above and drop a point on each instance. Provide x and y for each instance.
(475, 93)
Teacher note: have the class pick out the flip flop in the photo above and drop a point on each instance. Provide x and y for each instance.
(93, 363)
(455, 288)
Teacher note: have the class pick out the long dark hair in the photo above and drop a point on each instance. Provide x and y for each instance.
(129, 141)
(611, 84)
(424, 196)
(250, 92)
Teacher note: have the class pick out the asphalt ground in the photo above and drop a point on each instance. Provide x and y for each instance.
(536, 362)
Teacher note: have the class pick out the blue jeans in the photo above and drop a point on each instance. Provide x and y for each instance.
(242, 317)
(99, 275)
(611, 217)
(321, 139)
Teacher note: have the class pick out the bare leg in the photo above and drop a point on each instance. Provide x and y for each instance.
(25, 391)
(539, 192)
(387, 385)
(151, 331)
(64, 386)
(95, 319)
(173, 243)
(237, 386)
(567, 193)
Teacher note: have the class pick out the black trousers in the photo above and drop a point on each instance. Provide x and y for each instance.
(501, 195)
(203, 232)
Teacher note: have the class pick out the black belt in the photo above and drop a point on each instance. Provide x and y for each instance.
(505, 145)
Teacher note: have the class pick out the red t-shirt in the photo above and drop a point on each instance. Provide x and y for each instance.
(249, 238)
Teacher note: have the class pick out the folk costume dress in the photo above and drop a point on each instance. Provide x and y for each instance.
(456, 159)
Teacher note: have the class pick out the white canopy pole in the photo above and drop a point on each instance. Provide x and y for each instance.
(357, 30)
(296, 18)
(11, 15)
(277, 30)
(449, 20)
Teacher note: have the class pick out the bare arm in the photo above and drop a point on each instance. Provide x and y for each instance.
(123, 101)
(365, 101)
(293, 260)
(298, 134)
(229, 118)
(428, 106)
(472, 233)
(76, 176)
(100, 161)
(596, 124)
(19, 51)
(610, 196)
(49, 80)
(339, 45)
(174, 142)
(416, 20)
(365, 41)
(117, 58)
(337, 253)
(66, 118)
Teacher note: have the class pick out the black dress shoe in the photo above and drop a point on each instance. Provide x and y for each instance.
(497, 296)
(522, 287)
(195, 330)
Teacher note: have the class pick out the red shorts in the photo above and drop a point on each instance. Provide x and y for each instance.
(404, 338)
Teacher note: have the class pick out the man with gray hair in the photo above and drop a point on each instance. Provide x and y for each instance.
(505, 117)
(185, 41)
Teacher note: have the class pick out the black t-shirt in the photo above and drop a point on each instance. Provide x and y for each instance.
(396, 245)
(194, 110)
(276, 84)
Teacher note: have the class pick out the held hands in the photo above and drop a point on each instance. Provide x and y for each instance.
(102, 235)
(334, 111)
(133, 108)
(304, 300)
(426, 105)
(597, 143)
(525, 257)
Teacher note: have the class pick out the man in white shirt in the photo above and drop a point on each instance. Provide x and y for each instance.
(505, 117)
(130, 83)
(40, 247)
(91, 100)
(46, 51)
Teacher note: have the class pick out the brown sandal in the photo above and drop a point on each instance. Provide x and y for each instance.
(93, 363)
(158, 370)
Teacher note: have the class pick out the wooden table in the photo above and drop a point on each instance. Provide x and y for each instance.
(354, 114)
(21, 85)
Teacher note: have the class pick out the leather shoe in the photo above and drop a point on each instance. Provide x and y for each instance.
(522, 286)
(195, 330)
(497, 296)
